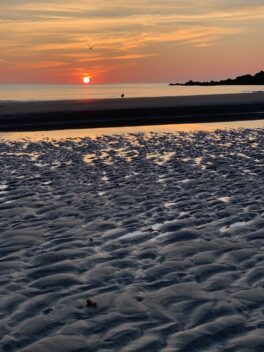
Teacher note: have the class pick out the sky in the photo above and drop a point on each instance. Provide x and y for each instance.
(118, 41)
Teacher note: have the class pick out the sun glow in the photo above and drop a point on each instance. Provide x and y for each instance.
(86, 80)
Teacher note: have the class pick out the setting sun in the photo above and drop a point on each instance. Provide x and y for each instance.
(86, 80)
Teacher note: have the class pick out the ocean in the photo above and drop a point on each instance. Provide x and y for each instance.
(42, 92)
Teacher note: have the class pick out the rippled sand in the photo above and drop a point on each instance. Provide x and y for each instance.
(163, 232)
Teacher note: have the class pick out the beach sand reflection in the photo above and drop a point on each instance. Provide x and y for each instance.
(97, 132)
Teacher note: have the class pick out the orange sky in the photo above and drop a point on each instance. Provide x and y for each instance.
(132, 41)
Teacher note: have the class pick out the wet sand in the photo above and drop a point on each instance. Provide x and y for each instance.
(77, 134)
(52, 115)
(162, 233)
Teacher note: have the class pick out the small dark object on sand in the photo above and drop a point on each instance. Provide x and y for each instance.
(147, 229)
(90, 303)
(122, 95)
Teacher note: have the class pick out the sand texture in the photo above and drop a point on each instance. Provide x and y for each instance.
(162, 233)
(48, 115)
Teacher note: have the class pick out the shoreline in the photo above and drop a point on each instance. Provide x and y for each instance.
(94, 113)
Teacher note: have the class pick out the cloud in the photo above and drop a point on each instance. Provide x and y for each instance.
(43, 64)
(56, 34)
(42, 10)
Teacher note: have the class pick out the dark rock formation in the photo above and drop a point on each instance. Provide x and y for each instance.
(257, 79)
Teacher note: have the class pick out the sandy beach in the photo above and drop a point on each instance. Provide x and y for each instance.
(133, 243)
(131, 176)
(50, 115)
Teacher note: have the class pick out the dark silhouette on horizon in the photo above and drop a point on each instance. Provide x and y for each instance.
(257, 79)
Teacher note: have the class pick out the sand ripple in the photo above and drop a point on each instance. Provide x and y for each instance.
(163, 232)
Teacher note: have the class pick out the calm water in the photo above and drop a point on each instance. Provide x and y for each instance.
(27, 92)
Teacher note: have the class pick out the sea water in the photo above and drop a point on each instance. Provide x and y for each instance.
(42, 92)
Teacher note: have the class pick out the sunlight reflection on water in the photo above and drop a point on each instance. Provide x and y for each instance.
(97, 132)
